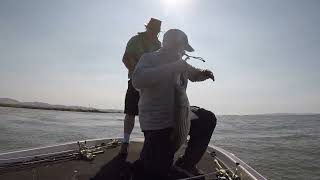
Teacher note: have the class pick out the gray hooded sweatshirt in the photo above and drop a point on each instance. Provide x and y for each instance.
(155, 77)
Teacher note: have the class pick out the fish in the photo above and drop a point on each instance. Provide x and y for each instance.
(182, 121)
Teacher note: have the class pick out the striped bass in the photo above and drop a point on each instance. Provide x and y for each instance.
(182, 110)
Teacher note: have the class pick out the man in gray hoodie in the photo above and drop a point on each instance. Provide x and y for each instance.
(156, 75)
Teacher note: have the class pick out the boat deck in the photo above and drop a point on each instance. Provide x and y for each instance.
(73, 169)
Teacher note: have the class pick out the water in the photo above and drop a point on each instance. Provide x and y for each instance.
(277, 146)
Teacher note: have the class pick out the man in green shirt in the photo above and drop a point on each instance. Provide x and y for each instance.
(139, 44)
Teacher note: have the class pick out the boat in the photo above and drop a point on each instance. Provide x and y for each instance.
(83, 160)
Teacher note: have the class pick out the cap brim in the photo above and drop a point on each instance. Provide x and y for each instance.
(189, 48)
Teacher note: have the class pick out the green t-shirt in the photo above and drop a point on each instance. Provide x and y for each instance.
(140, 44)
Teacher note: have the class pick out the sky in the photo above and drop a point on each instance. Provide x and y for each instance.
(265, 55)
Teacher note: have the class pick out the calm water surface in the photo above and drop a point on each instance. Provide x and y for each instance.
(277, 146)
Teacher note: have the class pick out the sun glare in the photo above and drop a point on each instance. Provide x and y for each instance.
(175, 3)
(171, 3)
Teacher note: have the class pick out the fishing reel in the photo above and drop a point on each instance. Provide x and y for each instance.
(225, 173)
(88, 153)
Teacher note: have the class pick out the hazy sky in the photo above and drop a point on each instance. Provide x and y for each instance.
(265, 55)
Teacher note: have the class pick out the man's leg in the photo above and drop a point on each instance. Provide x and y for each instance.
(128, 127)
(131, 110)
(200, 134)
(157, 154)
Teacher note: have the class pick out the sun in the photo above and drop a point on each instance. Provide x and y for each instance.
(171, 3)
(175, 3)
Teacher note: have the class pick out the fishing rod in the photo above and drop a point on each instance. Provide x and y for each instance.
(194, 57)
(83, 152)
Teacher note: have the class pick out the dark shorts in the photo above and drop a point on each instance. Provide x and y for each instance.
(131, 101)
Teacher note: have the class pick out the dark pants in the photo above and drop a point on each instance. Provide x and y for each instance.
(157, 154)
(200, 134)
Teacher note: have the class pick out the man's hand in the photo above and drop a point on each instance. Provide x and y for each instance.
(208, 74)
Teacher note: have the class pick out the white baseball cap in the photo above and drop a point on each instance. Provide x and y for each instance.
(176, 35)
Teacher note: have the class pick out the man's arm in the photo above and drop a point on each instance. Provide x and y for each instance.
(129, 61)
(146, 75)
(130, 56)
(195, 74)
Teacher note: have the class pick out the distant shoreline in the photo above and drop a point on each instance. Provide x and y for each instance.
(9, 102)
(59, 109)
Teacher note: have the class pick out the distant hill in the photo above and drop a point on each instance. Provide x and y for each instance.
(7, 102)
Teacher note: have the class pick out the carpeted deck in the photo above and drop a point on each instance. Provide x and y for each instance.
(84, 170)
